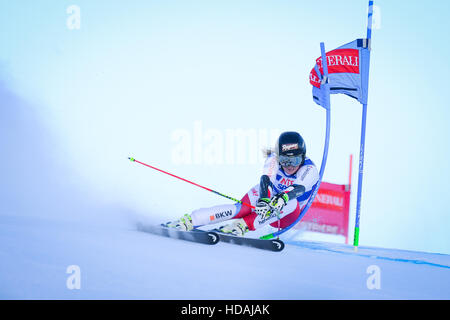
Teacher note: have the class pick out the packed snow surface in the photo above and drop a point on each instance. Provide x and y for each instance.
(115, 261)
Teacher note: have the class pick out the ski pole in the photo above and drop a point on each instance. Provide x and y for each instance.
(195, 184)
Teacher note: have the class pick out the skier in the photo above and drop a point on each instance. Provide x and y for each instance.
(285, 187)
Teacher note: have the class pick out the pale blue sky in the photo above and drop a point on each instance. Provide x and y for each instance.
(138, 71)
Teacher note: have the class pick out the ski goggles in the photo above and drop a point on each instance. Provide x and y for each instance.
(290, 161)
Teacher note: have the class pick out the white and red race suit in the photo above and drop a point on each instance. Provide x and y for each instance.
(307, 176)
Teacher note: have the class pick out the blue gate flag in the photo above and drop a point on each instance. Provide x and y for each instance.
(348, 72)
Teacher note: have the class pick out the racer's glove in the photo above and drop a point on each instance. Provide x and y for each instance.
(263, 208)
(279, 201)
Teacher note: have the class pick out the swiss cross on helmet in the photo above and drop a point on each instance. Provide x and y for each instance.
(291, 149)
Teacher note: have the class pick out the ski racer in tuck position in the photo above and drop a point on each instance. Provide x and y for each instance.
(285, 187)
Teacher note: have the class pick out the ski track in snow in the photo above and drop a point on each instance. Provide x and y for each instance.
(118, 262)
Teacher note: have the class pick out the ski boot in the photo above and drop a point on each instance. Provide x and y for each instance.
(184, 223)
(237, 228)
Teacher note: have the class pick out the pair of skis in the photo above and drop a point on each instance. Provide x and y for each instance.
(212, 237)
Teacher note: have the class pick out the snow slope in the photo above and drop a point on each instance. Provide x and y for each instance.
(118, 262)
